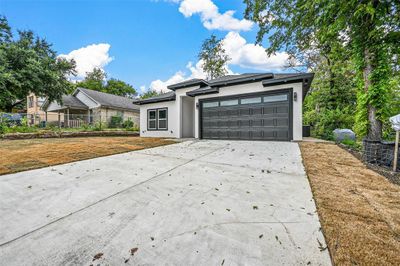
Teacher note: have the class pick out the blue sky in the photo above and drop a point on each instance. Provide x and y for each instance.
(146, 43)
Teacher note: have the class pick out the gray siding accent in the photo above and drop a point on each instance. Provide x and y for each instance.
(86, 100)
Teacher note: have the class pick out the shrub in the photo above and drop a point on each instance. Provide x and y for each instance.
(98, 126)
(86, 127)
(325, 121)
(128, 123)
(352, 144)
(116, 121)
(3, 128)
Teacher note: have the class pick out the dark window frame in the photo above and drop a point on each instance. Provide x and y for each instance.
(157, 110)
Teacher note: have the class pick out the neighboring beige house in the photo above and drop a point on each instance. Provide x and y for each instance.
(89, 106)
(34, 111)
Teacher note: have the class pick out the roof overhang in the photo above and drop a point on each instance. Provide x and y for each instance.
(182, 85)
(244, 80)
(155, 100)
(237, 81)
(305, 79)
(202, 91)
(66, 107)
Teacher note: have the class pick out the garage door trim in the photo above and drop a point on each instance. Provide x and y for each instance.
(289, 91)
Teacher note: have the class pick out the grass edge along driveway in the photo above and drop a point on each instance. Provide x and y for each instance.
(358, 208)
(22, 155)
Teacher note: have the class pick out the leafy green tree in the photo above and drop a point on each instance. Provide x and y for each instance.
(214, 57)
(119, 87)
(149, 94)
(331, 102)
(366, 30)
(96, 80)
(29, 64)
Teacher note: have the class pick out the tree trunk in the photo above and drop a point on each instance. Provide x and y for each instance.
(332, 98)
(374, 125)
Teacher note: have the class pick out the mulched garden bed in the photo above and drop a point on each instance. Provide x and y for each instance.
(358, 208)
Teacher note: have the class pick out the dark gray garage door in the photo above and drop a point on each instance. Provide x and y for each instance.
(258, 117)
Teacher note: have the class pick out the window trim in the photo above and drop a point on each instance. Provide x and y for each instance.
(162, 119)
(153, 119)
(156, 119)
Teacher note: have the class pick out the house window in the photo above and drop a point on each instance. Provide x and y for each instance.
(162, 118)
(229, 102)
(30, 101)
(152, 120)
(157, 119)
(210, 104)
(250, 100)
(40, 101)
(275, 98)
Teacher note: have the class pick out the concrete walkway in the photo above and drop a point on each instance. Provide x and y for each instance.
(191, 203)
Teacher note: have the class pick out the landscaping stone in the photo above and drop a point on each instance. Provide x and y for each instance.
(342, 134)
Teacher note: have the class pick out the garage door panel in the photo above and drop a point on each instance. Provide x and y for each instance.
(257, 120)
(244, 123)
(256, 111)
(268, 134)
(244, 111)
(269, 110)
(282, 109)
(269, 122)
(282, 134)
(223, 134)
(282, 122)
(256, 134)
(257, 123)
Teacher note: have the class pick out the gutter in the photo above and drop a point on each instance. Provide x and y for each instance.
(302, 77)
(202, 92)
(148, 101)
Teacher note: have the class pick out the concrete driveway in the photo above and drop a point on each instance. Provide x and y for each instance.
(191, 203)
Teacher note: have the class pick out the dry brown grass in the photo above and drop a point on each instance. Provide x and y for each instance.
(359, 209)
(20, 155)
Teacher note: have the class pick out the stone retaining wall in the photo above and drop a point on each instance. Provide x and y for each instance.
(51, 134)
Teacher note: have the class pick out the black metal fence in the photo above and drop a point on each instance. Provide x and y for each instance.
(380, 153)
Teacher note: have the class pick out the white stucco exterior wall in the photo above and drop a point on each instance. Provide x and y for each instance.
(173, 120)
(175, 108)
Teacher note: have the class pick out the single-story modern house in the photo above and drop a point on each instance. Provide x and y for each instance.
(248, 106)
(90, 106)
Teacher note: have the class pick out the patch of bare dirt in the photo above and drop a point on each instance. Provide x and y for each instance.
(21, 155)
(358, 208)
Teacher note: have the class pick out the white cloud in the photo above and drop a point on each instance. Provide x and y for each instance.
(249, 55)
(211, 18)
(161, 86)
(89, 57)
(142, 89)
(196, 71)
